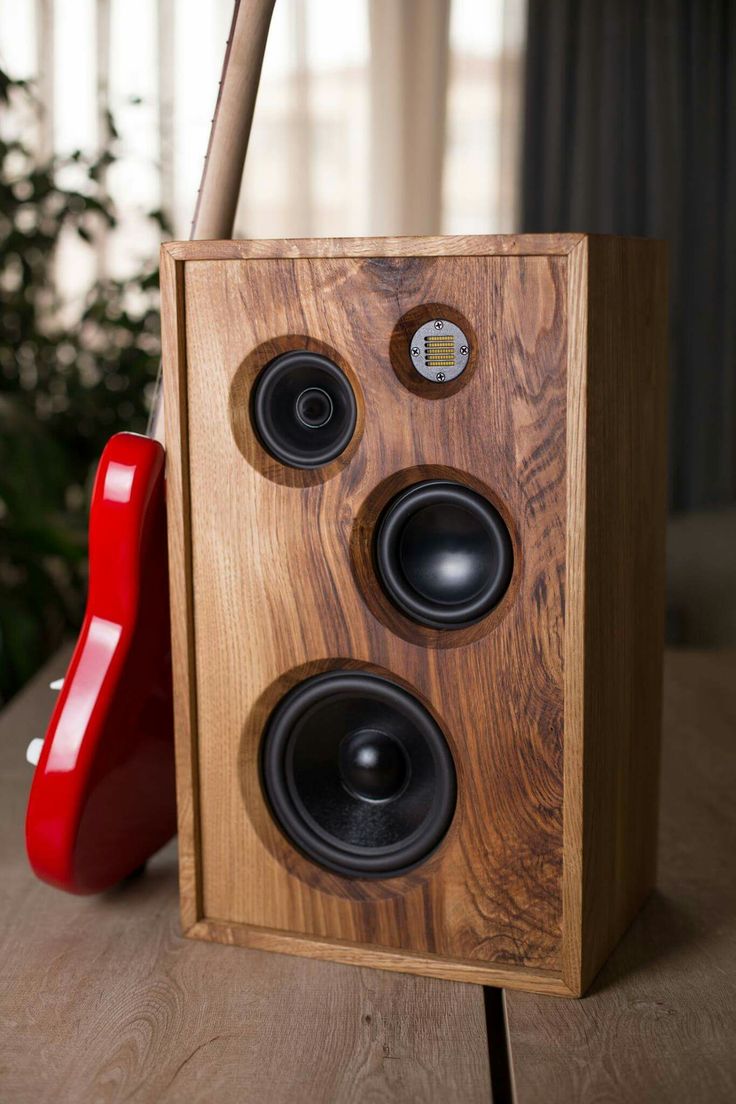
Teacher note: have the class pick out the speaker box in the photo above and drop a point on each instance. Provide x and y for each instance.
(416, 499)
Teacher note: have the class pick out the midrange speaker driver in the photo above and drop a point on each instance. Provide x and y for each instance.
(358, 774)
(443, 554)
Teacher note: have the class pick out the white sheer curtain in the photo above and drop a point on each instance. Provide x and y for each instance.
(374, 116)
(482, 151)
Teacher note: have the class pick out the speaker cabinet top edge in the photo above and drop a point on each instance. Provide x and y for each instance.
(459, 245)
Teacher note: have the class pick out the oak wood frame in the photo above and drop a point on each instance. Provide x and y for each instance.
(616, 354)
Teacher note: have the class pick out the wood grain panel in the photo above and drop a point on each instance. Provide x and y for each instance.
(460, 245)
(574, 659)
(173, 351)
(620, 681)
(272, 565)
(364, 954)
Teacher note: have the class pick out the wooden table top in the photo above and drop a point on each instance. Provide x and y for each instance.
(102, 1000)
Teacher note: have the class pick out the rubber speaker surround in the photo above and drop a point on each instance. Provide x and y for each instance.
(304, 409)
(358, 774)
(443, 554)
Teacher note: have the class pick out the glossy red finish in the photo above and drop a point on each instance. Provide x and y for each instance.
(103, 795)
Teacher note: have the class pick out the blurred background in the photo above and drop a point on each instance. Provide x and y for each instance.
(373, 117)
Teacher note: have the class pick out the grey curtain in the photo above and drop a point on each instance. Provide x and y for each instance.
(630, 128)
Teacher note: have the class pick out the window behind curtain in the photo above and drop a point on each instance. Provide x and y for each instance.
(309, 168)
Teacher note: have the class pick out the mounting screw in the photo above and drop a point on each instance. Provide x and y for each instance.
(415, 351)
(440, 377)
(438, 324)
(464, 350)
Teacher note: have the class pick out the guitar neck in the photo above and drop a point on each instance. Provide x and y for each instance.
(217, 199)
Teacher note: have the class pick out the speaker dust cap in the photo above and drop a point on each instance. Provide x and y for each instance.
(358, 774)
(443, 554)
(304, 409)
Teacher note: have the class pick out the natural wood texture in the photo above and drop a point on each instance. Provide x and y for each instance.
(660, 1021)
(564, 339)
(273, 561)
(460, 245)
(173, 351)
(615, 587)
(574, 663)
(102, 1000)
(362, 954)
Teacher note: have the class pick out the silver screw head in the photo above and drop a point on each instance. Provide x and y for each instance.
(441, 377)
(464, 350)
(415, 351)
(438, 324)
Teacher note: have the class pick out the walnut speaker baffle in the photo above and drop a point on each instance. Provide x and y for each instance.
(358, 774)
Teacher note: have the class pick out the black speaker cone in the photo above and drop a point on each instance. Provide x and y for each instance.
(443, 554)
(358, 774)
(304, 409)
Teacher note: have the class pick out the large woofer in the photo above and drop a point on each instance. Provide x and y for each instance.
(358, 774)
(304, 409)
(443, 554)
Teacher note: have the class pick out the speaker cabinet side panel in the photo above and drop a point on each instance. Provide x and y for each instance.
(625, 504)
(174, 360)
(276, 597)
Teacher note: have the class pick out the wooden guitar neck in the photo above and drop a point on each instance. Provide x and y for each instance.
(217, 198)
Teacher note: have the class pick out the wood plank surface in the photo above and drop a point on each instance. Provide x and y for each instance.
(102, 1000)
(659, 1024)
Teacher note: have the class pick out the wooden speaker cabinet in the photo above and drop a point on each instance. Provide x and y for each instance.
(549, 703)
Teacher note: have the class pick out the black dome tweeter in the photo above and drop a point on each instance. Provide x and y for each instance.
(358, 774)
(443, 554)
(304, 409)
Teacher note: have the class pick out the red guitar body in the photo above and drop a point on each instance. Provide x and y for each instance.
(103, 796)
